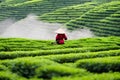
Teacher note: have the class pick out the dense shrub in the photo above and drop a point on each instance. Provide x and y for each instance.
(66, 14)
(41, 68)
(19, 9)
(15, 54)
(26, 67)
(41, 65)
(72, 57)
(99, 20)
(5, 75)
(104, 76)
(47, 72)
(99, 65)
(2, 68)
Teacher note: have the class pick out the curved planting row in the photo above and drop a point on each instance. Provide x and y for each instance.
(98, 19)
(100, 64)
(14, 44)
(66, 14)
(72, 57)
(60, 61)
(7, 75)
(103, 76)
(109, 25)
(15, 54)
(13, 48)
(19, 10)
(13, 2)
(41, 68)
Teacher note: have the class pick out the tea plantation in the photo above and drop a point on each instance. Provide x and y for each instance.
(100, 16)
(66, 14)
(102, 19)
(96, 58)
(19, 9)
(81, 59)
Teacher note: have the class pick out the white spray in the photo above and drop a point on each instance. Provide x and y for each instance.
(32, 28)
(5, 24)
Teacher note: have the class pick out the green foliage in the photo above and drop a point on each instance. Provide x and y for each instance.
(103, 76)
(66, 14)
(15, 54)
(5, 75)
(47, 72)
(19, 9)
(72, 57)
(100, 64)
(97, 15)
(99, 20)
(38, 59)
(16, 1)
(41, 68)
(26, 67)
(35, 79)
(104, 1)
(3, 68)
(23, 47)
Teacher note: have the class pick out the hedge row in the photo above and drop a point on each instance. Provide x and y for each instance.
(13, 44)
(103, 76)
(66, 14)
(47, 72)
(3, 68)
(20, 10)
(72, 57)
(5, 75)
(41, 68)
(15, 54)
(25, 67)
(98, 15)
(99, 65)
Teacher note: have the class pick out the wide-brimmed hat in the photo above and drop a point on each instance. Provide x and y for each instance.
(60, 31)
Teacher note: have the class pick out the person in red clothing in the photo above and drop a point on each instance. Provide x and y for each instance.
(60, 37)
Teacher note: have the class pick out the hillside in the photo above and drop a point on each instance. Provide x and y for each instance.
(24, 59)
(100, 16)
(95, 58)
(66, 14)
(103, 20)
(19, 9)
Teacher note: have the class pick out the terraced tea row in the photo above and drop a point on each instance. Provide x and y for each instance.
(66, 14)
(98, 18)
(103, 64)
(103, 76)
(41, 68)
(43, 65)
(61, 61)
(15, 54)
(13, 48)
(14, 44)
(72, 57)
(20, 10)
(108, 26)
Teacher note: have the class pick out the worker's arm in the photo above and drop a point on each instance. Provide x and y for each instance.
(65, 37)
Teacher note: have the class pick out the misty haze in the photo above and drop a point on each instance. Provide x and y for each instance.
(32, 28)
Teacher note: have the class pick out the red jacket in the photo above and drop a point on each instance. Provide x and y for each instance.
(60, 38)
